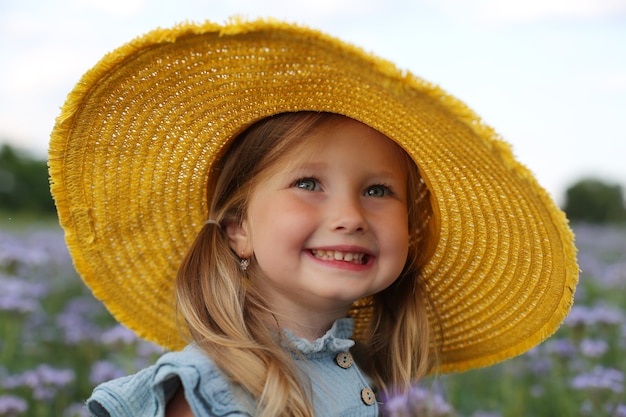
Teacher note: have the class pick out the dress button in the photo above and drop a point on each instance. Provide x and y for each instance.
(368, 397)
(344, 359)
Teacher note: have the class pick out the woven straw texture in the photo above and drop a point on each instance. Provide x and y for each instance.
(132, 151)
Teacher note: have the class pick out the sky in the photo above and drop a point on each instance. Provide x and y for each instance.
(548, 75)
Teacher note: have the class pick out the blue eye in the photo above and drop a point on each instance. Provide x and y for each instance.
(377, 191)
(309, 184)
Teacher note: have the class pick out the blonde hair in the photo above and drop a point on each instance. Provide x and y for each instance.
(228, 318)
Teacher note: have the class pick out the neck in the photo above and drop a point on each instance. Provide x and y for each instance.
(307, 316)
(309, 324)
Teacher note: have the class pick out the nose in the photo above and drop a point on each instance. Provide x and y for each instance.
(347, 215)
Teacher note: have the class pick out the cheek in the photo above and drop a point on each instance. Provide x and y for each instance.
(401, 250)
(278, 221)
(398, 236)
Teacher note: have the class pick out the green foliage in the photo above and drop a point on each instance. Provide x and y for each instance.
(24, 186)
(592, 200)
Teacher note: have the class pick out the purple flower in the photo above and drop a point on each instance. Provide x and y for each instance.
(15, 381)
(44, 376)
(591, 316)
(561, 347)
(146, 352)
(21, 296)
(44, 394)
(76, 320)
(578, 316)
(11, 405)
(541, 365)
(102, 371)
(620, 411)
(434, 402)
(34, 253)
(55, 377)
(145, 349)
(600, 378)
(607, 315)
(118, 334)
(76, 410)
(396, 406)
(593, 348)
(417, 402)
(615, 276)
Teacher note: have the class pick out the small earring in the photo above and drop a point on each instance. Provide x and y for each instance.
(243, 262)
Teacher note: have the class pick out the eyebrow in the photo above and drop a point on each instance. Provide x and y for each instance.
(304, 166)
(312, 166)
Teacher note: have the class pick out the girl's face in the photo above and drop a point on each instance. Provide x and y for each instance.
(329, 225)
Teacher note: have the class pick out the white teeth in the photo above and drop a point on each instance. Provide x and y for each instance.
(329, 255)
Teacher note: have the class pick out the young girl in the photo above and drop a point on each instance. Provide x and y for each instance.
(319, 228)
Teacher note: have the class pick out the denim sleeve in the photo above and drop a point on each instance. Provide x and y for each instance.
(128, 397)
(207, 390)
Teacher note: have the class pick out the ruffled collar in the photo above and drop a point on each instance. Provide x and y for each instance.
(336, 339)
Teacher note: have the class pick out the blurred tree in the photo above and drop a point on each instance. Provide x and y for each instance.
(24, 186)
(595, 201)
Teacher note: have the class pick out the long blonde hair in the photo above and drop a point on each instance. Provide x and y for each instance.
(232, 323)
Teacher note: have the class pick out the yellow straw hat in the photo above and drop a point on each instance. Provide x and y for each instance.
(132, 151)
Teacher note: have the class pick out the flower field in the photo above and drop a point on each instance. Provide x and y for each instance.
(57, 342)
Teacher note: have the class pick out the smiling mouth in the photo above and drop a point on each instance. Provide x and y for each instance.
(357, 258)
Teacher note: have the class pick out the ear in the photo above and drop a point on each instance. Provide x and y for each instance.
(239, 239)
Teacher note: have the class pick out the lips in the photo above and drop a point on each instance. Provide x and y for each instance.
(358, 258)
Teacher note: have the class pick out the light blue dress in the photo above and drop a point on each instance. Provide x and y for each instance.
(339, 387)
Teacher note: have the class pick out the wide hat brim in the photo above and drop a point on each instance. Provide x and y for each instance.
(132, 151)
